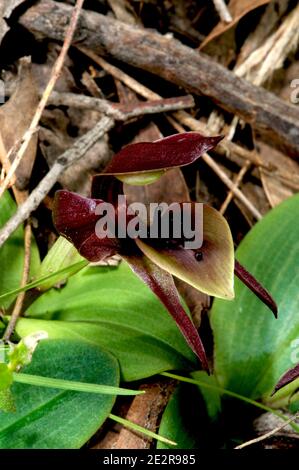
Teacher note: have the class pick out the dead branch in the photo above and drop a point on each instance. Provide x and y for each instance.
(118, 111)
(79, 149)
(168, 58)
(237, 182)
(73, 154)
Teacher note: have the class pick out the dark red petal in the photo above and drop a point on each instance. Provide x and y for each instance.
(75, 219)
(255, 287)
(288, 377)
(161, 283)
(173, 151)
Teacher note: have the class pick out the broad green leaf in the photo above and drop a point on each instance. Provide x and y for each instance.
(252, 349)
(190, 412)
(61, 255)
(211, 396)
(50, 418)
(181, 420)
(5, 376)
(12, 253)
(7, 403)
(113, 308)
(211, 385)
(6, 379)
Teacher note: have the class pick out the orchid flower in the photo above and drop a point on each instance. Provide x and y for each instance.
(210, 269)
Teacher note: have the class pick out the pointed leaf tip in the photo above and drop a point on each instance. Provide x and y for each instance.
(291, 375)
(252, 283)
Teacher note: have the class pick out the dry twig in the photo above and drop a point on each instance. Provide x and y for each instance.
(17, 310)
(78, 150)
(237, 182)
(80, 147)
(223, 10)
(225, 179)
(119, 111)
(168, 58)
(184, 118)
(268, 434)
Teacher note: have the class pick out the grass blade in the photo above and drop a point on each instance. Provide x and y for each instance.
(136, 427)
(50, 382)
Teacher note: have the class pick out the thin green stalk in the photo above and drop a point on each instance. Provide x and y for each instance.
(231, 394)
(136, 427)
(72, 385)
(42, 279)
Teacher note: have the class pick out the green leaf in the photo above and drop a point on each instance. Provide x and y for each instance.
(252, 349)
(62, 255)
(111, 307)
(12, 253)
(20, 355)
(51, 418)
(6, 380)
(211, 396)
(141, 430)
(7, 403)
(190, 412)
(210, 385)
(5, 377)
(41, 281)
(62, 384)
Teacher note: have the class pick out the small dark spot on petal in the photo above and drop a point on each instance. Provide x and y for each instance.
(198, 256)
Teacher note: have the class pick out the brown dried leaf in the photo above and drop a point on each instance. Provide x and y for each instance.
(276, 189)
(257, 197)
(65, 81)
(123, 11)
(238, 9)
(15, 118)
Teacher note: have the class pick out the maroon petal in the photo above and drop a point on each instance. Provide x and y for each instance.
(161, 283)
(288, 377)
(255, 287)
(75, 219)
(173, 151)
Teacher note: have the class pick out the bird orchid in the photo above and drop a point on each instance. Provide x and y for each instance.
(209, 268)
